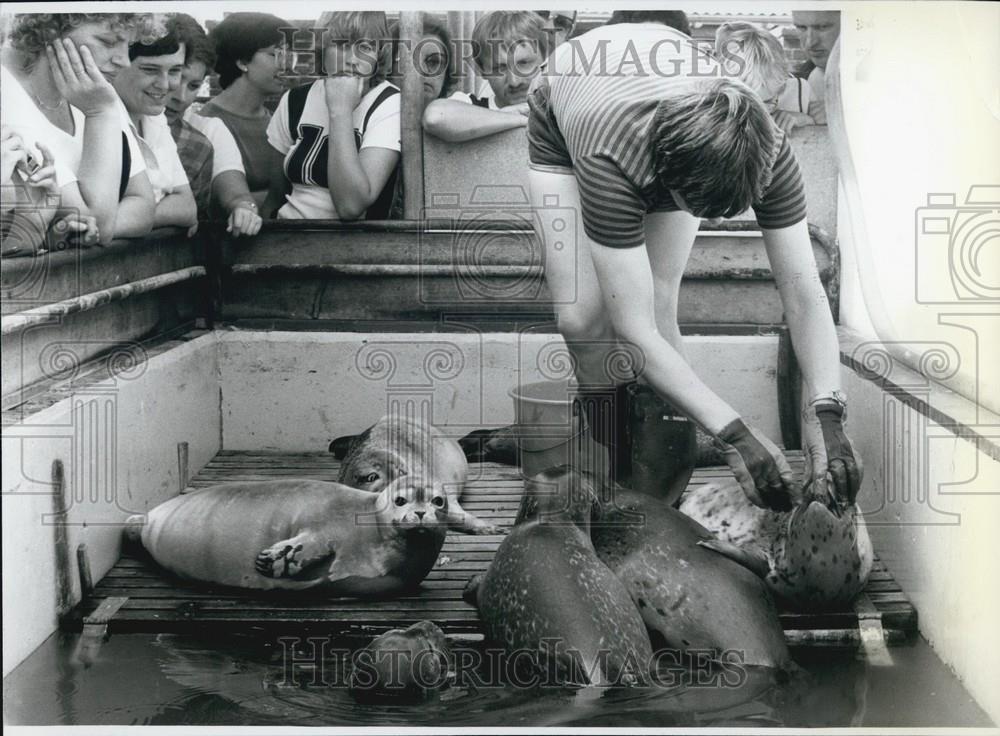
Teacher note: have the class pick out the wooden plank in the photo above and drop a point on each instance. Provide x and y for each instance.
(159, 601)
(106, 611)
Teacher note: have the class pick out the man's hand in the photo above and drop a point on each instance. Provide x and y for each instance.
(343, 93)
(759, 466)
(78, 78)
(521, 108)
(830, 453)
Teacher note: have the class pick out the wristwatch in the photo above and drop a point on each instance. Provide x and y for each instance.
(838, 397)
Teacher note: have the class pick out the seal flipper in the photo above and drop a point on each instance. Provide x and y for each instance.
(290, 557)
(470, 594)
(750, 556)
(462, 521)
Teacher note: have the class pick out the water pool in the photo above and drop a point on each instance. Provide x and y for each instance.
(165, 679)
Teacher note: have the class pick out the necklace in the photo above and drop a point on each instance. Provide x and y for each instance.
(50, 108)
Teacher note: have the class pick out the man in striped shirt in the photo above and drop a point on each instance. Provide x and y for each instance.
(636, 131)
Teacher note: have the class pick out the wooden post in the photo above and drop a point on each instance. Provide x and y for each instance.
(86, 577)
(58, 519)
(411, 133)
(182, 466)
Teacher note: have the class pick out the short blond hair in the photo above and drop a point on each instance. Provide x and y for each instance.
(752, 54)
(508, 27)
(362, 25)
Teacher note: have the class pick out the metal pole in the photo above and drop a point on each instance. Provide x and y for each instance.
(411, 25)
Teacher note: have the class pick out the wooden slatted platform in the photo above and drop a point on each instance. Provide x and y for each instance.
(159, 602)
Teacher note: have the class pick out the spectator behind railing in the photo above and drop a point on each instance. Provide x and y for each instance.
(756, 57)
(251, 50)
(818, 31)
(560, 23)
(340, 136)
(676, 19)
(206, 148)
(509, 48)
(56, 90)
(432, 59)
(143, 87)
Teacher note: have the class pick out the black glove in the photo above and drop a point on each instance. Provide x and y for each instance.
(841, 462)
(759, 466)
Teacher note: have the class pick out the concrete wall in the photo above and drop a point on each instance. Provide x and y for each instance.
(287, 391)
(117, 440)
(489, 175)
(932, 502)
(923, 286)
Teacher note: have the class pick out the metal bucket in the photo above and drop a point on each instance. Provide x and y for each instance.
(550, 432)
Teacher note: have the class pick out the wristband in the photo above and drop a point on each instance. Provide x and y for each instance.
(247, 204)
(733, 431)
(837, 396)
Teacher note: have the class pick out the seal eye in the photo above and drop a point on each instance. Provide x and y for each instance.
(438, 501)
(370, 478)
(400, 501)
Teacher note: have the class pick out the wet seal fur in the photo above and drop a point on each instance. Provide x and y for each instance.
(815, 557)
(398, 446)
(410, 663)
(689, 596)
(298, 535)
(547, 593)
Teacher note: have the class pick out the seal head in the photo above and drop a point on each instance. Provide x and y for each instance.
(548, 595)
(815, 557)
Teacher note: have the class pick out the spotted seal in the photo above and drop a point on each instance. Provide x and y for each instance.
(689, 596)
(299, 534)
(398, 446)
(815, 557)
(547, 593)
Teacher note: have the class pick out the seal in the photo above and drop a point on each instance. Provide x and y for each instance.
(300, 534)
(815, 557)
(547, 593)
(402, 663)
(398, 446)
(689, 596)
(491, 445)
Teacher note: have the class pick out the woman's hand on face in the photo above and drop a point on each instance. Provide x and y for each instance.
(78, 79)
(343, 92)
(12, 152)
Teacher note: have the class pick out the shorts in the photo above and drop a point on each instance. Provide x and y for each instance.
(547, 149)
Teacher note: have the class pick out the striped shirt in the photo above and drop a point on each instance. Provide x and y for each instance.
(605, 87)
(197, 158)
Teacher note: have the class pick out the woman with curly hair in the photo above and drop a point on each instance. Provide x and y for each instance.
(56, 89)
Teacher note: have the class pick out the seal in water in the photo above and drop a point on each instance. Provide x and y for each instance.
(547, 593)
(407, 663)
(689, 596)
(815, 557)
(398, 446)
(299, 534)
